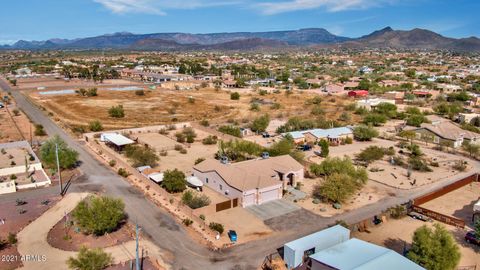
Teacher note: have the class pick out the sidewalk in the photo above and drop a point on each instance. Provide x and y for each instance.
(32, 240)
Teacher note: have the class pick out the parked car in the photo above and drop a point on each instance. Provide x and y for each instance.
(265, 135)
(318, 153)
(232, 235)
(471, 237)
(304, 147)
(419, 216)
(1, 105)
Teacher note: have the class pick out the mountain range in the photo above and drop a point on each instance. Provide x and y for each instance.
(310, 37)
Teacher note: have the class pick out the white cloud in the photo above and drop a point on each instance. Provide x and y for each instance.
(271, 8)
(158, 7)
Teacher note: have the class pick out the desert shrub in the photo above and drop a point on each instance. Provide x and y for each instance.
(364, 133)
(255, 107)
(370, 154)
(39, 131)
(116, 111)
(375, 119)
(183, 151)
(338, 187)
(112, 163)
(398, 160)
(16, 112)
(260, 124)
(12, 238)
(398, 211)
(419, 164)
(139, 92)
(122, 172)
(174, 181)
(199, 160)
(235, 96)
(89, 259)
(99, 215)
(95, 126)
(205, 123)
(210, 140)
(231, 130)
(216, 227)
(338, 165)
(194, 200)
(141, 156)
(459, 166)
(178, 147)
(187, 222)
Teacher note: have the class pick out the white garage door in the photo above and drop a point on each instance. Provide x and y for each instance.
(269, 195)
(248, 199)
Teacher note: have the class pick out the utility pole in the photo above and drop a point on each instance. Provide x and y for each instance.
(137, 260)
(58, 169)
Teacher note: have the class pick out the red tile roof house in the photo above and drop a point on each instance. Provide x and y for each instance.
(358, 93)
(253, 181)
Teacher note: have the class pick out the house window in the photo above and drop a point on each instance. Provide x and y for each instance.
(220, 186)
(206, 180)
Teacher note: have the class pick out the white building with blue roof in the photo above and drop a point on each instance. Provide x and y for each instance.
(334, 135)
(332, 249)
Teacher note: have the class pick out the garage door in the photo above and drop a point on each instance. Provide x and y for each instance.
(248, 199)
(269, 195)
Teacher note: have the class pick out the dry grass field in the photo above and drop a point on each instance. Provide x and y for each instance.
(162, 106)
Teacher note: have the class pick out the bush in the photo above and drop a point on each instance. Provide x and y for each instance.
(174, 181)
(194, 200)
(338, 165)
(187, 222)
(99, 215)
(337, 188)
(231, 130)
(364, 133)
(216, 227)
(260, 124)
(199, 160)
(210, 140)
(116, 111)
(112, 163)
(89, 259)
(122, 172)
(178, 147)
(205, 123)
(235, 96)
(398, 211)
(39, 131)
(370, 154)
(141, 156)
(139, 92)
(325, 148)
(16, 112)
(419, 164)
(459, 166)
(12, 239)
(95, 126)
(375, 119)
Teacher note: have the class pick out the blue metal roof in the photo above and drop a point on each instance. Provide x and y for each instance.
(321, 133)
(307, 241)
(356, 254)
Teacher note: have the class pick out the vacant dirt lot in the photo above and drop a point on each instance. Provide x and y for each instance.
(371, 193)
(395, 234)
(458, 203)
(8, 130)
(163, 106)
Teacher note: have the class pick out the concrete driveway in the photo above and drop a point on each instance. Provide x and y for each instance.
(272, 209)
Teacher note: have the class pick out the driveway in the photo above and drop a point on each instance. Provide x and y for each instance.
(272, 209)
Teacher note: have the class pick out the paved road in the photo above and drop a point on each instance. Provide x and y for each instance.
(170, 236)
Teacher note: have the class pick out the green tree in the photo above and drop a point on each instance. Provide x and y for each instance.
(471, 148)
(337, 188)
(364, 133)
(231, 130)
(39, 131)
(434, 248)
(387, 109)
(90, 259)
(174, 181)
(260, 124)
(408, 134)
(416, 120)
(283, 147)
(324, 148)
(338, 165)
(99, 215)
(371, 154)
(67, 157)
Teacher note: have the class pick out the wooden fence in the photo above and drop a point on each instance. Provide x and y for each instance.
(446, 189)
(459, 223)
(226, 205)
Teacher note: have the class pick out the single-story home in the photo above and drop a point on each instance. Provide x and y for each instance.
(332, 249)
(371, 103)
(443, 131)
(253, 181)
(358, 93)
(334, 135)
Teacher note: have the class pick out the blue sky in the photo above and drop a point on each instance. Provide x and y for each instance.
(44, 19)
